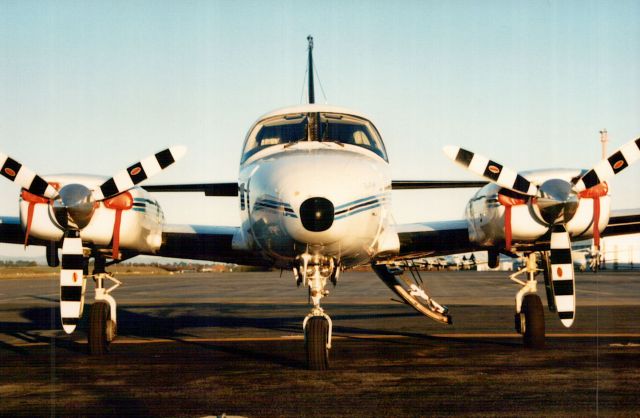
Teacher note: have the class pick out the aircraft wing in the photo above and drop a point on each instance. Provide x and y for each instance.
(425, 239)
(203, 242)
(10, 230)
(197, 242)
(434, 238)
(231, 188)
(622, 222)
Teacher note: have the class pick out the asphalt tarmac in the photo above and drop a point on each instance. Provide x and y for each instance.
(214, 344)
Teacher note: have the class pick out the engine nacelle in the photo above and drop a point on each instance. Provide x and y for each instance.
(140, 224)
(485, 214)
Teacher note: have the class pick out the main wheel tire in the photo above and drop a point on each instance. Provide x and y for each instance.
(316, 337)
(98, 321)
(533, 312)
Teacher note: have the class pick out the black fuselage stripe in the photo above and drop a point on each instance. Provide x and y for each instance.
(358, 206)
(70, 293)
(270, 206)
(563, 287)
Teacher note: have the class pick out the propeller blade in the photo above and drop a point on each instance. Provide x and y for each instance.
(562, 275)
(139, 172)
(491, 170)
(626, 155)
(72, 283)
(25, 178)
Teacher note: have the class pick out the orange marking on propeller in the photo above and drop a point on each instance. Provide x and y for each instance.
(559, 271)
(75, 277)
(494, 169)
(135, 171)
(9, 172)
(618, 164)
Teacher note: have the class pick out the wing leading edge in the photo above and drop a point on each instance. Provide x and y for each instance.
(623, 222)
(10, 230)
(202, 242)
(434, 238)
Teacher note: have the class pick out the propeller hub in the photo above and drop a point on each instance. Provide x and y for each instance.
(557, 201)
(74, 206)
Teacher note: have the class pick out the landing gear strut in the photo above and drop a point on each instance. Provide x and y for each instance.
(314, 271)
(102, 320)
(529, 317)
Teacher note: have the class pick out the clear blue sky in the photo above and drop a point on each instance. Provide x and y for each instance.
(94, 86)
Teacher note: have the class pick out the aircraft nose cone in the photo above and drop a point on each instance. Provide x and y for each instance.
(557, 201)
(317, 214)
(75, 205)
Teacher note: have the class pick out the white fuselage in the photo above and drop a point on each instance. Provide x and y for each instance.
(140, 228)
(486, 216)
(275, 182)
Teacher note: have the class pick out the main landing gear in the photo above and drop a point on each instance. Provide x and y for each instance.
(102, 319)
(412, 291)
(529, 317)
(313, 272)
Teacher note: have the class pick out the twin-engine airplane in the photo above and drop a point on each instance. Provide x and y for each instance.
(314, 195)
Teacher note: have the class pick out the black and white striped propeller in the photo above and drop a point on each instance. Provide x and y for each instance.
(73, 206)
(557, 201)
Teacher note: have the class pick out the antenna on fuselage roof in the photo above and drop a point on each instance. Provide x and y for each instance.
(310, 70)
(312, 96)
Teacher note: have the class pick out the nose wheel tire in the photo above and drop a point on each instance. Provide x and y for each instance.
(316, 337)
(532, 316)
(99, 328)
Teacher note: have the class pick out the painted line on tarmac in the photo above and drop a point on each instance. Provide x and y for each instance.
(133, 341)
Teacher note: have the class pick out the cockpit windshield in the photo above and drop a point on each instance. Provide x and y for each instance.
(322, 127)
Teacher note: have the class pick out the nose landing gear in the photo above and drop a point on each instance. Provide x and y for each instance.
(314, 272)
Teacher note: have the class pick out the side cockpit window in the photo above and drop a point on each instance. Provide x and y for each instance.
(351, 130)
(274, 131)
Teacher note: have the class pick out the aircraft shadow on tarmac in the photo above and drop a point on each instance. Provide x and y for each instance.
(175, 321)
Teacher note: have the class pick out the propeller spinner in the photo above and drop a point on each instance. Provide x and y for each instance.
(74, 206)
(557, 201)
